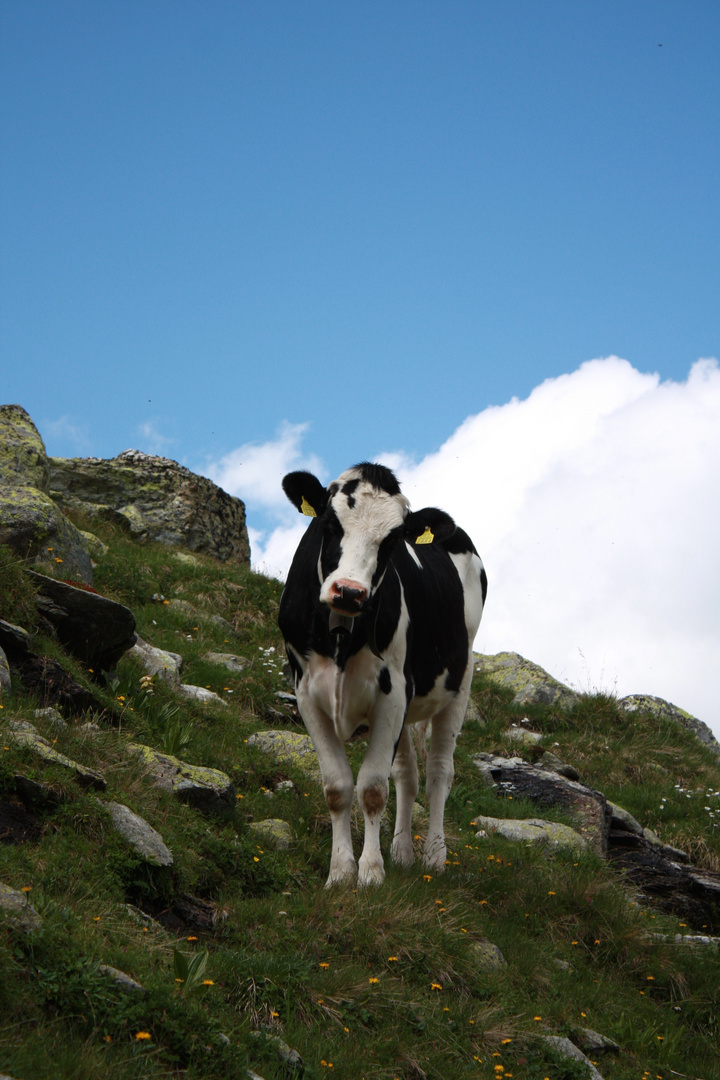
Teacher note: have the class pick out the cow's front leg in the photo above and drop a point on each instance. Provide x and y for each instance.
(405, 776)
(337, 781)
(373, 782)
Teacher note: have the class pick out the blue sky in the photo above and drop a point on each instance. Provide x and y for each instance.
(257, 235)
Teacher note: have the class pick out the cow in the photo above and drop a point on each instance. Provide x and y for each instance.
(379, 613)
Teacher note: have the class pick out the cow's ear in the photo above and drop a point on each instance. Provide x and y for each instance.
(306, 493)
(429, 526)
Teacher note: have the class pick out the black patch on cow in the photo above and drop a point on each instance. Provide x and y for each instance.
(348, 489)
(483, 584)
(459, 543)
(379, 476)
(384, 681)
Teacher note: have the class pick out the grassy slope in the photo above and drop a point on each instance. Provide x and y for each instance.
(381, 984)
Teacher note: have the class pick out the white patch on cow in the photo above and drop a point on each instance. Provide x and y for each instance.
(366, 517)
(468, 566)
(413, 554)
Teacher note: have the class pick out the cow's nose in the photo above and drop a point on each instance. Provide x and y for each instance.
(347, 595)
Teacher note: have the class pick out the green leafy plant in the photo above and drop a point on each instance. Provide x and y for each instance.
(189, 971)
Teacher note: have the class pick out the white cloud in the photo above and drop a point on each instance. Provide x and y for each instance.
(65, 432)
(254, 471)
(153, 441)
(594, 504)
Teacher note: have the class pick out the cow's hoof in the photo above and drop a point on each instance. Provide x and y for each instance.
(435, 859)
(370, 875)
(402, 854)
(342, 875)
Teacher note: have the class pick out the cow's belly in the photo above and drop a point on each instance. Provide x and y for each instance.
(348, 697)
(429, 705)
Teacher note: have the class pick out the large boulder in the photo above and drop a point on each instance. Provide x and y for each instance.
(665, 710)
(531, 684)
(92, 627)
(154, 498)
(30, 522)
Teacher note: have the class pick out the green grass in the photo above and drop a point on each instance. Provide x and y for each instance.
(379, 984)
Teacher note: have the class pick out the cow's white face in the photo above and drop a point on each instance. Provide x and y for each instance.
(362, 524)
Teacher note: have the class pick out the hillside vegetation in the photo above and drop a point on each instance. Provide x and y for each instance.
(237, 944)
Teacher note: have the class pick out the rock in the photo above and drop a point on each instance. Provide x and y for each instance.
(93, 628)
(274, 832)
(290, 747)
(665, 710)
(17, 910)
(166, 665)
(686, 891)
(139, 834)
(515, 777)
(183, 605)
(192, 911)
(552, 763)
(50, 716)
(691, 941)
(533, 831)
(567, 1049)
(231, 662)
(123, 981)
(531, 684)
(289, 1056)
(51, 684)
(520, 735)
(24, 734)
(5, 679)
(621, 819)
(95, 545)
(562, 965)
(592, 1042)
(30, 522)
(154, 498)
(34, 793)
(487, 956)
(202, 694)
(208, 790)
(186, 558)
(14, 638)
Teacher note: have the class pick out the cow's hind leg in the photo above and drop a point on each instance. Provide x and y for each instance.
(440, 772)
(405, 776)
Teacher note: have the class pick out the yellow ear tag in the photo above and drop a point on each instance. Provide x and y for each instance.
(307, 508)
(425, 538)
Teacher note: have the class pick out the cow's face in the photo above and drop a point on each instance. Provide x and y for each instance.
(361, 517)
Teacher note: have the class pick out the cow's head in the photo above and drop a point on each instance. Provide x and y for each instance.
(362, 515)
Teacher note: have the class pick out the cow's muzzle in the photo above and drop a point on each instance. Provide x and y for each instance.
(347, 597)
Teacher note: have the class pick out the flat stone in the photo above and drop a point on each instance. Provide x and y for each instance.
(552, 763)
(166, 665)
(548, 834)
(24, 734)
(568, 1050)
(208, 790)
(124, 981)
(287, 1054)
(274, 832)
(691, 941)
(202, 694)
(17, 910)
(186, 558)
(139, 834)
(231, 662)
(290, 747)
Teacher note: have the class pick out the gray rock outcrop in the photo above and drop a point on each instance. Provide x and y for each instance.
(531, 684)
(17, 910)
(25, 734)
(665, 710)
(208, 790)
(154, 498)
(546, 834)
(31, 523)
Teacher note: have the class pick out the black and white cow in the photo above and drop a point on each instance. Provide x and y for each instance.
(379, 615)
